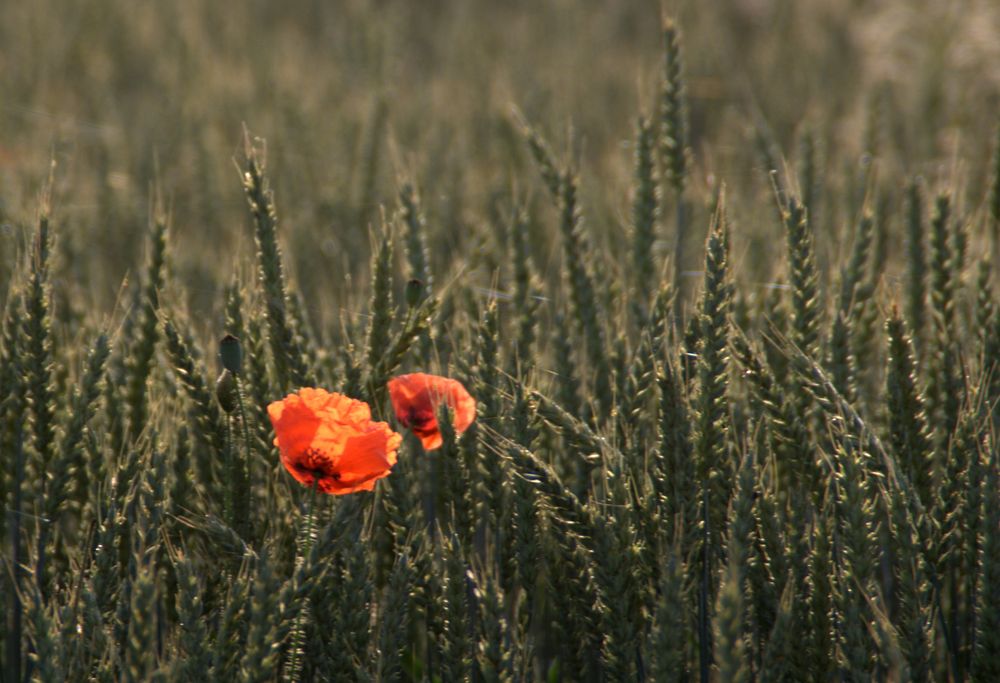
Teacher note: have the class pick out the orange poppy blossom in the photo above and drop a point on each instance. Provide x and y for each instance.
(417, 397)
(329, 440)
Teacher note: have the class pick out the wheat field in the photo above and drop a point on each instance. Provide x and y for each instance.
(712, 285)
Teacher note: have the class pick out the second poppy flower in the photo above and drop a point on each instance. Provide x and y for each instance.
(417, 397)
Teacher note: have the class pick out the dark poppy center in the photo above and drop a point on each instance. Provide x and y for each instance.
(316, 464)
(419, 419)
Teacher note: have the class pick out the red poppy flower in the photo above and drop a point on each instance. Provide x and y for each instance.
(331, 440)
(417, 397)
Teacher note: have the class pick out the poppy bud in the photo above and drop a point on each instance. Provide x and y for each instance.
(414, 292)
(226, 392)
(231, 354)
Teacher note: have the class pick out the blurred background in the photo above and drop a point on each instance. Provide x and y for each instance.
(355, 97)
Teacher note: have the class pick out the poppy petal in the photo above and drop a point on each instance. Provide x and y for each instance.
(416, 398)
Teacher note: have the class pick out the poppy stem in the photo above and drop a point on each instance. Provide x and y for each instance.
(228, 493)
(680, 228)
(310, 521)
(245, 464)
(305, 545)
(430, 493)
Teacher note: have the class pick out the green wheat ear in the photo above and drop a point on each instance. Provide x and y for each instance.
(915, 617)
(71, 456)
(673, 115)
(713, 465)
(810, 180)
(543, 157)
(526, 301)
(731, 657)
(37, 340)
(984, 664)
(803, 277)
(638, 383)
(412, 217)
(456, 646)
(393, 617)
(916, 263)
(204, 407)
(417, 254)
(285, 351)
(674, 153)
(580, 266)
(498, 647)
(851, 302)
(907, 418)
(578, 262)
(942, 402)
(993, 200)
(139, 362)
(645, 216)
(382, 312)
